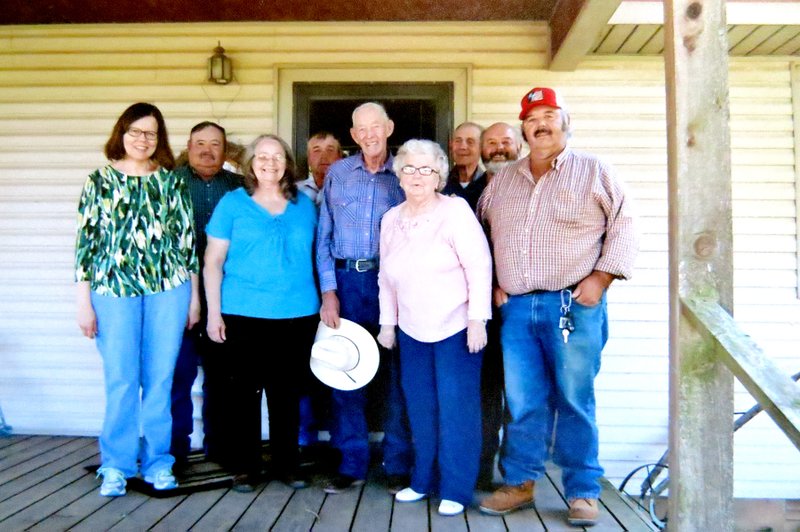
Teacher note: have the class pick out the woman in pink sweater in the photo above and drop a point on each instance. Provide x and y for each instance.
(435, 297)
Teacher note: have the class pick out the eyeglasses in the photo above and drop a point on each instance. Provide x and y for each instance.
(423, 170)
(265, 158)
(135, 132)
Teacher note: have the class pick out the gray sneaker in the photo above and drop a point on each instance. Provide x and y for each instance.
(162, 480)
(113, 482)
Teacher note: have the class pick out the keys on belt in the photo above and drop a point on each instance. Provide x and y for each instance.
(359, 265)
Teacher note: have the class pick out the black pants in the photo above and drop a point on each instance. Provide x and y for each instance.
(492, 409)
(255, 363)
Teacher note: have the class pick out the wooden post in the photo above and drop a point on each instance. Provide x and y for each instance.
(700, 263)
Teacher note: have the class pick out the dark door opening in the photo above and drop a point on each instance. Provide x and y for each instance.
(419, 110)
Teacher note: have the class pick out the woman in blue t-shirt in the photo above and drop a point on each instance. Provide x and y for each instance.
(261, 293)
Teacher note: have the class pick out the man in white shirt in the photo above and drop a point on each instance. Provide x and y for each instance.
(322, 151)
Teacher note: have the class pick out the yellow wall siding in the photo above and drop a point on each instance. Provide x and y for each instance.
(62, 87)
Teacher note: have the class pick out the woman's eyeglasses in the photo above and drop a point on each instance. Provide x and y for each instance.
(265, 158)
(135, 132)
(423, 170)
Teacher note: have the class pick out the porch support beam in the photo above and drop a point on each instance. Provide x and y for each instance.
(700, 263)
(575, 27)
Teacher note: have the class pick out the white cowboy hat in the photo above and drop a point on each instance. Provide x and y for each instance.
(345, 358)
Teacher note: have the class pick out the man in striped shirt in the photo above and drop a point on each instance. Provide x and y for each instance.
(562, 231)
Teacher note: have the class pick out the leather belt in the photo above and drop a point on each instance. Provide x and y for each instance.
(571, 288)
(359, 265)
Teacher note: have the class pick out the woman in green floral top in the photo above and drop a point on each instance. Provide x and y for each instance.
(136, 270)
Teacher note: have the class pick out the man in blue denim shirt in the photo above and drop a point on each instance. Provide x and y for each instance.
(357, 192)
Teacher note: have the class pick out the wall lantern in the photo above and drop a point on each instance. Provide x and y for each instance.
(220, 68)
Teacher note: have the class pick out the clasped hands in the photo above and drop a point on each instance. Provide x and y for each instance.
(476, 336)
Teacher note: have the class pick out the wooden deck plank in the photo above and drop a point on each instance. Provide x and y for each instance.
(266, 509)
(53, 491)
(301, 511)
(624, 510)
(84, 455)
(148, 514)
(529, 519)
(24, 450)
(24, 443)
(39, 461)
(338, 510)
(486, 523)
(12, 439)
(50, 504)
(73, 513)
(31, 495)
(111, 513)
(374, 509)
(226, 512)
(191, 509)
(410, 516)
(441, 523)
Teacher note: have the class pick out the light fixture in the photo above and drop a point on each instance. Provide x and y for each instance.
(220, 68)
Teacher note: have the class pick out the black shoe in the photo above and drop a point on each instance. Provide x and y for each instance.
(342, 483)
(180, 467)
(484, 484)
(244, 483)
(395, 483)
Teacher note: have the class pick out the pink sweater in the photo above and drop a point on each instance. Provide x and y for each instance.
(435, 271)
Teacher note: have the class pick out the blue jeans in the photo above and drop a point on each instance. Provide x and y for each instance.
(442, 383)
(358, 302)
(138, 339)
(546, 377)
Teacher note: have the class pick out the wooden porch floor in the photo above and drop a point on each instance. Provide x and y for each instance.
(44, 485)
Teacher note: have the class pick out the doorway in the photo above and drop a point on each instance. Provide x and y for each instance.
(419, 110)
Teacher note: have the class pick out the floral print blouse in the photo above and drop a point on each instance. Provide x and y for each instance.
(135, 234)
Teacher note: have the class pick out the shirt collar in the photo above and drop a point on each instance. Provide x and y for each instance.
(195, 175)
(563, 156)
(386, 167)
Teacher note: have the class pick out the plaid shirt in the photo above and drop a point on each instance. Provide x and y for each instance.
(551, 234)
(353, 203)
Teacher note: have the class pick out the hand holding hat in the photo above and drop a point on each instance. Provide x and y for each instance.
(345, 358)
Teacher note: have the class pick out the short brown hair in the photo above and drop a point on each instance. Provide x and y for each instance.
(115, 146)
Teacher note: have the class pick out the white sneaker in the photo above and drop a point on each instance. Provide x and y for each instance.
(450, 507)
(113, 482)
(162, 480)
(408, 495)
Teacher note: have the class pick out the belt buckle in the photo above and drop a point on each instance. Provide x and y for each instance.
(358, 265)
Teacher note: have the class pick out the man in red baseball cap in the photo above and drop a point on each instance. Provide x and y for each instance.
(562, 231)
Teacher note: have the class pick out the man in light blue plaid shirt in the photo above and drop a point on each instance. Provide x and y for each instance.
(358, 191)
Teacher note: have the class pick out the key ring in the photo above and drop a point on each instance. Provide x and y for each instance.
(566, 305)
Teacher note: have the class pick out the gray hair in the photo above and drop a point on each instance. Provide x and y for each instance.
(469, 124)
(370, 105)
(424, 147)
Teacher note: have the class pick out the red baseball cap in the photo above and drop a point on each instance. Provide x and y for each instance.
(538, 96)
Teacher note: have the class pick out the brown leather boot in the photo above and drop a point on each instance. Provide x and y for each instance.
(509, 498)
(582, 512)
